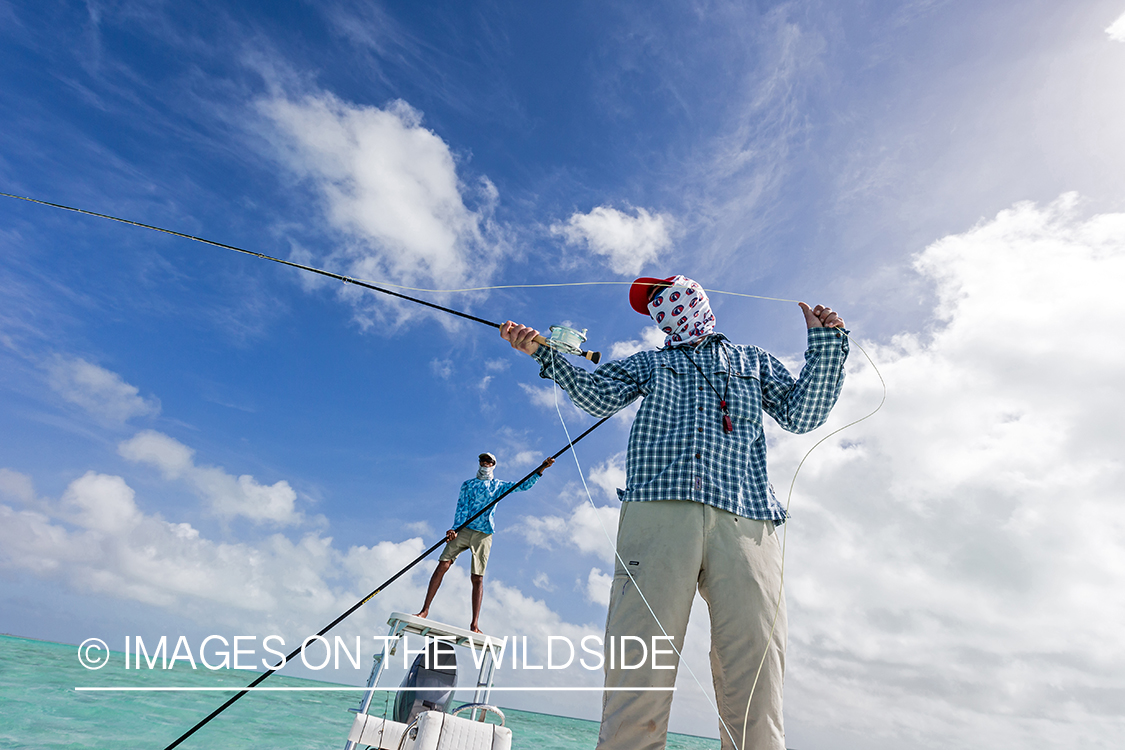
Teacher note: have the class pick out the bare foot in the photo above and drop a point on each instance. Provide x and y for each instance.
(476, 629)
(423, 614)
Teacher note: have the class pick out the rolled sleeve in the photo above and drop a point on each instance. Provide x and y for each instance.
(526, 485)
(605, 391)
(803, 404)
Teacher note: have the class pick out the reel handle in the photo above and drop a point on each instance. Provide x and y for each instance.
(594, 357)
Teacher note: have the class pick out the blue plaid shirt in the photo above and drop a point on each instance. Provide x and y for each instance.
(476, 493)
(677, 447)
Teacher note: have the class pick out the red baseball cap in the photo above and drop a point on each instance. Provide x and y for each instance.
(639, 291)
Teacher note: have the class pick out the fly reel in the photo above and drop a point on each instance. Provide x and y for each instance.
(570, 340)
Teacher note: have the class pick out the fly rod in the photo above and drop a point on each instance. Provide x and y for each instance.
(562, 338)
(372, 595)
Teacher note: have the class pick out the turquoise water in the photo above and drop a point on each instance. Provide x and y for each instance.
(39, 708)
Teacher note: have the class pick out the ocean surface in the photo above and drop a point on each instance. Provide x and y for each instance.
(39, 708)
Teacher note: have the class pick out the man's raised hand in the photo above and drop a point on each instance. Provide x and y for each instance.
(820, 317)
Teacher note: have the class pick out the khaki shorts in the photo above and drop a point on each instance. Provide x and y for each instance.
(477, 541)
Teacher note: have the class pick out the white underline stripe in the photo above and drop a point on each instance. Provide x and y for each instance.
(351, 689)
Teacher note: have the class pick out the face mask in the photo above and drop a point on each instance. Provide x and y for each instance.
(484, 473)
(682, 311)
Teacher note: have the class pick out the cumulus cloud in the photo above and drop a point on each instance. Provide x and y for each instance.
(524, 459)
(547, 396)
(540, 531)
(627, 242)
(598, 586)
(391, 185)
(16, 486)
(172, 457)
(101, 503)
(955, 564)
(228, 496)
(100, 392)
(1116, 29)
(609, 475)
(651, 338)
(589, 529)
(421, 528)
(97, 540)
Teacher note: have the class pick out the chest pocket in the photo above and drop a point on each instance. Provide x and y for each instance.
(745, 400)
(667, 389)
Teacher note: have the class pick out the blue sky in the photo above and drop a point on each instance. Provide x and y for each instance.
(195, 441)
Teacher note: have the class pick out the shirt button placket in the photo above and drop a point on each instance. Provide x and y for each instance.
(697, 472)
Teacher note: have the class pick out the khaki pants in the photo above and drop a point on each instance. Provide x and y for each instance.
(671, 547)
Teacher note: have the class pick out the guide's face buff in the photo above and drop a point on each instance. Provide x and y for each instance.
(682, 311)
(487, 464)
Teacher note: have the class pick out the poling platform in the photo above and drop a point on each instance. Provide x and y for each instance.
(454, 732)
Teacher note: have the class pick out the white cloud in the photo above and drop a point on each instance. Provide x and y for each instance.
(589, 530)
(525, 458)
(443, 368)
(97, 540)
(421, 528)
(540, 531)
(627, 242)
(1116, 29)
(547, 396)
(102, 393)
(227, 495)
(16, 486)
(391, 185)
(598, 586)
(172, 457)
(101, 503)
(542, 396)
(543, 581)
(609, 475)
(955, 563)
(593, 529)
(651, 338)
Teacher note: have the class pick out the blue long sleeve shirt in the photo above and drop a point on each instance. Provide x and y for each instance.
(476, 493)
(678, 449)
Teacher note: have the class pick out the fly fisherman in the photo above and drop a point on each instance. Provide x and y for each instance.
(477, 536)
(698, 509)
